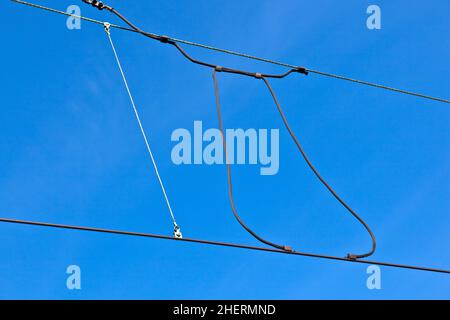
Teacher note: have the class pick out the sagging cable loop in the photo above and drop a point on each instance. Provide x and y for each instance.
(228, 165)
(216, 68)
(315, 171)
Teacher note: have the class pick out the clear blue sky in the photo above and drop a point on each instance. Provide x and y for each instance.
(71, 152)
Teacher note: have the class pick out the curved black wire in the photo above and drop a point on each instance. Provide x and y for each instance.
(230, 182)
(215, 68)
(165, 39)
(311, 166)
(305, 156)
(240, 54)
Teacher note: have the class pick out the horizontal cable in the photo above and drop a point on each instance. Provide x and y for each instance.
(173, 41)
(317, 72)
(222, 244)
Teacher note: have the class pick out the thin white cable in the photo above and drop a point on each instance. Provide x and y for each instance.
(177, 231)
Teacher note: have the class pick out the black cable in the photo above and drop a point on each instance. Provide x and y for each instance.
(222, 244)
(230, 182)
(305, 156)
(243, 55)
(164, 39)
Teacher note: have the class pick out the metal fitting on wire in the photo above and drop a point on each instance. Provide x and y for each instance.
(301, 70)
(165, 39)
(177, 232)
(107, 27)
(97, 4)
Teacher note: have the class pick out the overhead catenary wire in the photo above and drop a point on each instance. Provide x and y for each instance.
(168, 40)
(223, 244)
(176, 231)
(256, 75)
(174, 41)
(165, 39)
(244, 55)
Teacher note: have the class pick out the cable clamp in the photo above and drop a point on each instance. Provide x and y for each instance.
(258, 75)
(351, 256)
(177, 231)
(218, 68)
(301, 70)
(165, 39)
(96, 4)
(288, 248)
(107, 26)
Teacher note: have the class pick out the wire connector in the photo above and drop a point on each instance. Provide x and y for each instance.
(177, 231)
(351, 256)
(302, 70)
(165, 39)
(107, 26)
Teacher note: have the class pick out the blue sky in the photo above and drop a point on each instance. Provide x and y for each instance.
(71, 151)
